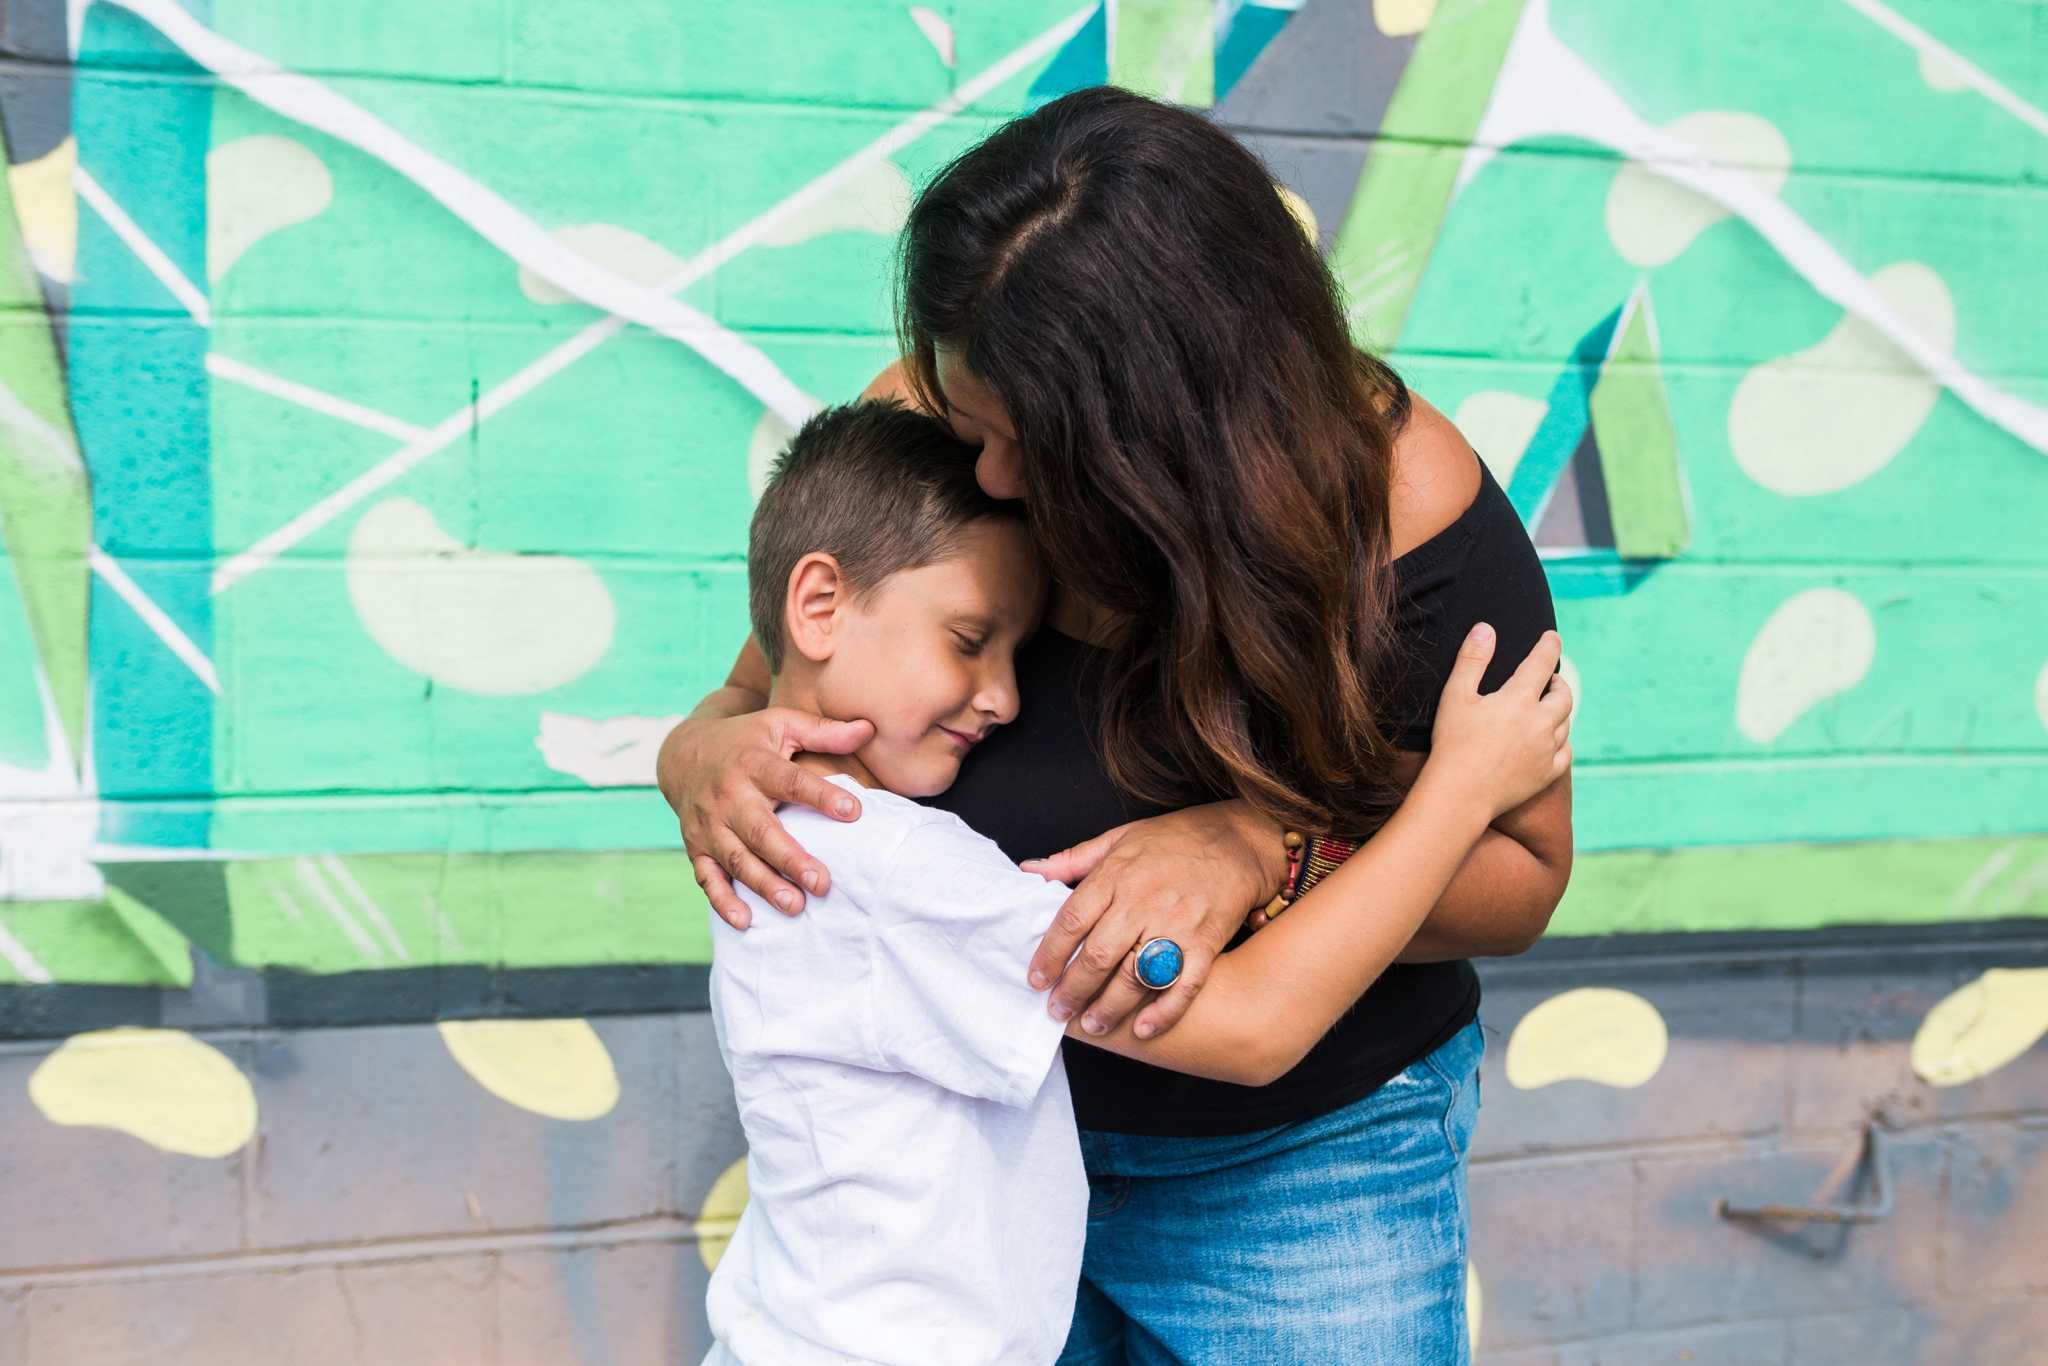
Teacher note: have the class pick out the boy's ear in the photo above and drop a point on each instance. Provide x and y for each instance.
(810, 613)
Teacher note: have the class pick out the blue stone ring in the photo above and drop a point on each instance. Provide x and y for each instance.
(1159, 963)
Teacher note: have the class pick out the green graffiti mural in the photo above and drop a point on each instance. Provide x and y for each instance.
(385, 390)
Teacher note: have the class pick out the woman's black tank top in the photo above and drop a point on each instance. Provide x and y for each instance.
(1037, 786)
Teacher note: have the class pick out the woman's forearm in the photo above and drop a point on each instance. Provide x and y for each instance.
(1270, 1000)
(1501, 899)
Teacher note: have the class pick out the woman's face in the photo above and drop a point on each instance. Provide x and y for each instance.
(979, 419)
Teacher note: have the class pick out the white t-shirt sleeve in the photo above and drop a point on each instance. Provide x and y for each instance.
(951, 1001)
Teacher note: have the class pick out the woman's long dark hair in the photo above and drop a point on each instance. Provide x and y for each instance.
(1205, 451)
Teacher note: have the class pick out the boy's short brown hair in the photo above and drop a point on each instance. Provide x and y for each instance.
(876, 486)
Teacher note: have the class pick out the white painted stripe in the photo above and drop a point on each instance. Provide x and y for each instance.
(1896, 24)
(153, 616)
(284, 899)
(338, 870)
(457, 424)
(145, 250)
(20, 959)
(891, 142)
(291, 391)
(394, 466)
(1546, 89)
(310, 876)
(306, 101)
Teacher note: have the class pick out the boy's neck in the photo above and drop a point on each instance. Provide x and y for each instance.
(796, 687)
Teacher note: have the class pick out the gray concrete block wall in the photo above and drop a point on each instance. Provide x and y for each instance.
(1596, 1237)
(389, 1210)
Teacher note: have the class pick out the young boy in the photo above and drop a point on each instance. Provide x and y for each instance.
(915, 1182)
(917, 1194)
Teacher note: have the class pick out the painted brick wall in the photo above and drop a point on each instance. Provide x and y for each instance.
(383, 390)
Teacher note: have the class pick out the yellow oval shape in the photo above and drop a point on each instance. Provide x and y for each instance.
(557, 1068)
(161, 1085)
(723, 1204)
(1979, 1028)
(1589, 1034)
(1474, 1305)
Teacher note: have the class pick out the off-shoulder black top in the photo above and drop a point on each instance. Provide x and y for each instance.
(1037, 786)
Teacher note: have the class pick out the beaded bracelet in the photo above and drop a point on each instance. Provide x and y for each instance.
(1309, 861)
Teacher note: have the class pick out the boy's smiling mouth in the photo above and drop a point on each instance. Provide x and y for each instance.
(961, 738)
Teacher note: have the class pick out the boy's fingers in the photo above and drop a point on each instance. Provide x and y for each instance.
(1535, 672)
(1055, 958)
(1473, 657)
(725, 902)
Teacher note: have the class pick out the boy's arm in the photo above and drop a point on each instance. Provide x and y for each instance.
(1269, 1001)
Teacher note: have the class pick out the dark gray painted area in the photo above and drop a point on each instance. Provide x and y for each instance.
(1312, 102)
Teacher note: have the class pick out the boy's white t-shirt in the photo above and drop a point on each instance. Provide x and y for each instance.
(916, 1196)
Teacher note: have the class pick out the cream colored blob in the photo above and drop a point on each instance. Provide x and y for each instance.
(617, 751)
(557, 1068)
(1399, 18)
(2041, 695)
(1980, 1028)
(1570, 672)
(1589, 1034)
(254, 186)
(1830, 416)
(47, 208)
(1817, 644)
(619, 250)
(1474, 1305)
(1303, 215)
(937, 32)
(723, 1205)
(161, 1085)
(1940, 76)
(771, 434)
(1500, 426)
(1651, 220)
(483, 621)
(876, 200)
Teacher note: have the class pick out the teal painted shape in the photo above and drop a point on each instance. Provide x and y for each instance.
(23, 742)
(1244, 36)
(1083, 62)
(1550, 450)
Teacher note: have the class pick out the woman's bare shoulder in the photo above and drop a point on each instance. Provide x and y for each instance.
(1436, 477)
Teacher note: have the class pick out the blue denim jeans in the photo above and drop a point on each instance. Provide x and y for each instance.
(1338, 1241)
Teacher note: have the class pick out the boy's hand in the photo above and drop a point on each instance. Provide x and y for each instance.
(1503, 748)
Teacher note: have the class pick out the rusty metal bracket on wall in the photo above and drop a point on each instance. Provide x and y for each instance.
(1879, 1207)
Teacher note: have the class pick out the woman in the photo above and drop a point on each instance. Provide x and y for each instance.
(1266, 554)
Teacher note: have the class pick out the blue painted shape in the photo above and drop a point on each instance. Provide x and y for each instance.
(1244, 36)
(1159, 964)
(1596, 574)
(1550, 450)
(138, 388)
(1083, 62)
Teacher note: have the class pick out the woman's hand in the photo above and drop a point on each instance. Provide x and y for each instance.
(1503, 748)
(725, 775)
(1190, 877)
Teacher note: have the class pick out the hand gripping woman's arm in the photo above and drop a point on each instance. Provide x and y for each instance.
(1270, 1000)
